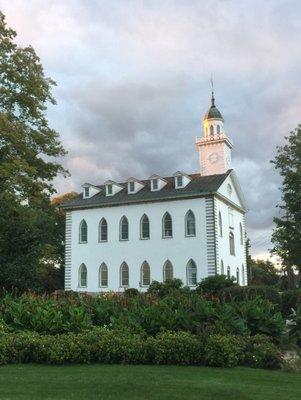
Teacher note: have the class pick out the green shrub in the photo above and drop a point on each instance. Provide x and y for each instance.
(290, 299)
(179, 348)
(294, 326)
(260, 352)
(224, 351)
(131, 292)
(242, 293)
(213, 285)
(162, 289)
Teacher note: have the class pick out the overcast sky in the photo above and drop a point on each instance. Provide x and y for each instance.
(134, 83)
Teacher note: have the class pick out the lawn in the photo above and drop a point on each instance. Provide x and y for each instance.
(110, 382)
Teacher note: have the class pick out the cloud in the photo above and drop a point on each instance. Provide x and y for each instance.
(133, 85)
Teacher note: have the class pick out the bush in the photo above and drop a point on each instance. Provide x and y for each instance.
(131, 292)
(294, 326)
(242, 293)
(290, 299)
(261, 353)
(162, 289)
(224, 351)
(213, 285)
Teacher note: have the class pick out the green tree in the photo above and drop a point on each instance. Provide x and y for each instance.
(286, 237)
(264, 273)
(30, 235)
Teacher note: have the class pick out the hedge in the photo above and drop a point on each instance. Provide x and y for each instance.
(107, 346)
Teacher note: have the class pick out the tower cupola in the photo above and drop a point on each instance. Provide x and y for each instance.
(214, 147)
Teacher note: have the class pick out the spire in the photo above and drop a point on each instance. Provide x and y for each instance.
(212, 93)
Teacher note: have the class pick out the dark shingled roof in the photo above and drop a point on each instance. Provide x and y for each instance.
(198, 186)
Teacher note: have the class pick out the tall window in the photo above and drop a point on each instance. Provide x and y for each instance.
(103, 230)
(222, 268)
(145, 274)
(83, 232)
(167, 225)
(155, 184)
(231, 244)
(218, 129)
(179, 181)
(167, 271)
(131, 187)
(242, 274)
(211, 130)
(241, 234)
(82, 276)
(103, 275)
(189, 224)
(237, 275)
(220, 224)
(231, 219)
(144, 227)
(124, 275)
(87, 191)
(228, 272)
(191, 272)
(124, 229)
(110, 189)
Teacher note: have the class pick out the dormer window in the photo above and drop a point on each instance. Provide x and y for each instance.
(131, 187)
(155, 184)
(86, 192)
(179, 181)
(109, 189)
(112, 188)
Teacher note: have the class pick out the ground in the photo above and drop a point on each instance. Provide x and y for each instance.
(111, 382)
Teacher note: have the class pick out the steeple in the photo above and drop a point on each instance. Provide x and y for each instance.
(215, 147)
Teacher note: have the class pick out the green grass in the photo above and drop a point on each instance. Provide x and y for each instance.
(110, 382)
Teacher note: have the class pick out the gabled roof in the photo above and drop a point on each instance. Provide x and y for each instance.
(199, 186)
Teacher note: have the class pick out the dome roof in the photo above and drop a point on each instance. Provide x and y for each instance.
(213, 112)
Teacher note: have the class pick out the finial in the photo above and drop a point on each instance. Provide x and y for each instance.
(212, 92)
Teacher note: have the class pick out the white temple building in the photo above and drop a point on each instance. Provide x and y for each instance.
(189, 226)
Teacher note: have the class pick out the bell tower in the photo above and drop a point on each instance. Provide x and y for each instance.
(214, 147)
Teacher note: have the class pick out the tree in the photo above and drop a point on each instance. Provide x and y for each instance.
(286, 237)
(30, 235)
(264, 273)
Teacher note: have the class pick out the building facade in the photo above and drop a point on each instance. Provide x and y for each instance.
(187, 226)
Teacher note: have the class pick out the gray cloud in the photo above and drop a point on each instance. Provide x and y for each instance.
(133, 85)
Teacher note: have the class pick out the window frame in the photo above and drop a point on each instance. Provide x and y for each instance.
(232, 243)
(80, 271)
(86, 191)
(222, 268)
(120, 229)
(80, 240)
(168, 263)
(101, 267)
(142, 284)
(191, 263)
(109, 189)
(100, 240)
(155, 184)
(228, 272)
(220, 224)
(131, 187)
(163, 226)
(237, 276)
(124, 264)
(189, 212)
(181, 184)
(141, 227)
(241, 234)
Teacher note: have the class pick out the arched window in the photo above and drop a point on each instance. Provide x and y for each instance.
(124, 229)
(190, 223)
(124, 275)
(211, 130)
(144, 227)
(228, 272)
(220, 224)
(231, 244)
(82, 276)
(242, 274)
(167, 225)
(103, 231)
(191, 272)
(218, 129)
(241, 234)
(237, 275)
(83, 232)
(222, 268)
(167, 271)
(145, 274)
(103, 275)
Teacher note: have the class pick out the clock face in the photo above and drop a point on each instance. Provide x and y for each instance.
(213, 158)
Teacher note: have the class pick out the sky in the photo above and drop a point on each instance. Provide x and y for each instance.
(133, 84)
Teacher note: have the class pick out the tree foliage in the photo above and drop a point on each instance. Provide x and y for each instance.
(286, 237)
(31, 234)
